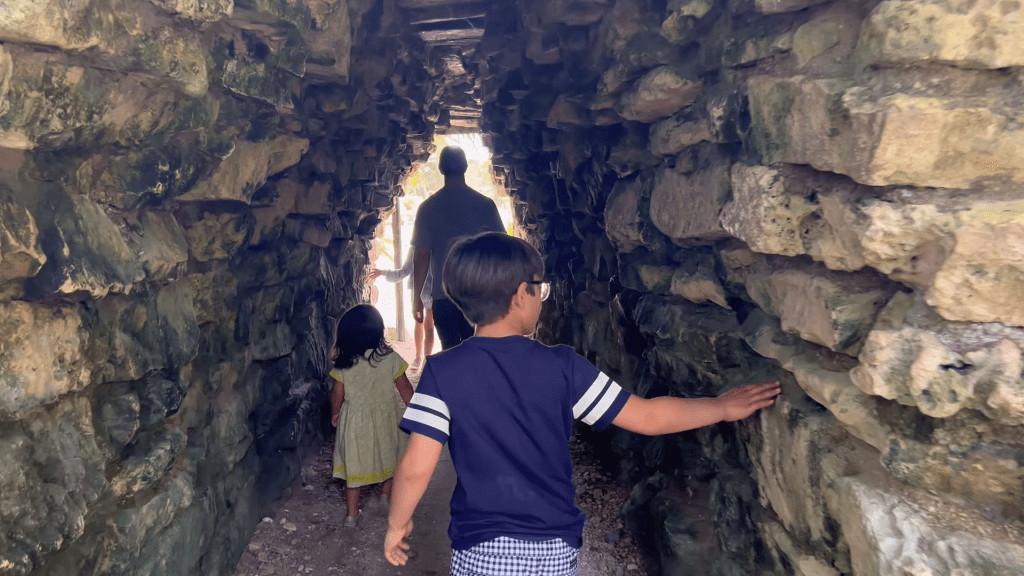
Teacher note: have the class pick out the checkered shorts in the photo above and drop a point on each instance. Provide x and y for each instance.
(510, 557)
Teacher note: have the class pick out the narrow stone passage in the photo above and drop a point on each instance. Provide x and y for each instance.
(305, 534)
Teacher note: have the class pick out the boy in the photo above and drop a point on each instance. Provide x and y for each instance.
(506, 404)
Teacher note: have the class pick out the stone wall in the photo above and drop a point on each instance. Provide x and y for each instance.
(826, 193)
(823, 193)
(187, 192)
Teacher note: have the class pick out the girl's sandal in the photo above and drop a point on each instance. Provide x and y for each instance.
(352, 521)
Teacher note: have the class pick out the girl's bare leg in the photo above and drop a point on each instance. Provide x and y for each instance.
(352, 499)
(385, 488)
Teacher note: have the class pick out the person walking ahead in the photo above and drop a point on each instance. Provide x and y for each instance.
(366, 373)
(506, 406)
(453, 212)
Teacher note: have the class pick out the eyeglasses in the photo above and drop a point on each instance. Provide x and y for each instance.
(545, 288)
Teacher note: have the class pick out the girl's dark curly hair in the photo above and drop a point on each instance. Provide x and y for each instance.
(359, 330)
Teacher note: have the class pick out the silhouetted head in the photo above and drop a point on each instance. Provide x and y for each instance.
(360, 330)
(483, 272)
(453, 161)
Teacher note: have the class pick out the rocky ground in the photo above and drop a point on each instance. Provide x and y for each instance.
(305, 535)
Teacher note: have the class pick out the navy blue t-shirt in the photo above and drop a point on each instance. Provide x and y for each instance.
(506, 405)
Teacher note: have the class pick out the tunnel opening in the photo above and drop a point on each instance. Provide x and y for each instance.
(820, 192)
(422, 181)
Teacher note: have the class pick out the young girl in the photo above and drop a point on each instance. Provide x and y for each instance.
(363, 405)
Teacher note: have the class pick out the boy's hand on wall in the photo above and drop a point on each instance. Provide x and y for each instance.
(396, 549)
(743, 401)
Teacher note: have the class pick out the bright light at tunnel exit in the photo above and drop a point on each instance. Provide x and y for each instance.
(424, 180)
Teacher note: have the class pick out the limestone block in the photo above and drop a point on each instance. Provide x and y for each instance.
(313, 199)
(917, 358)
(212, 291)
(983, 278)
(687, 206)
(857, 411)
(133, 336)
(792, 462)
(814, 38)
(48, 105)
(159, 243)
(906, 242)
(6, 71)
(118, 416)
(247, 167)
(986, 34)
(644, 271)
(230, 426)
(256, 80)
(87, 251)
(198, 10)
(263, 322)
(763, 213)
(135, 526)
(566, 111)
(795, 555)
(159, 398)
(43, 22)
(217, 236)
(150, 174)
(146, 470)
(884, 139)
(330, 41)
(658, 94)
(836, 240)
(295, 12)
(828, 383)
(699, 348)
(777, 6)
(890, 531)
(311, 230)
(967, 458)
(740, 51)
(696, 280)
(631, 154)
(21, 255)
(832, 309)
(622, 215)
(672, 135)
(53, 473)
(124, 38)
(40, 359)
(179, 547)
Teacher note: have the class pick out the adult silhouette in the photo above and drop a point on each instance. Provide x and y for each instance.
(454, 211)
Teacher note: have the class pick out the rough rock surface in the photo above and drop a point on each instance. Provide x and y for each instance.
(166, 341)
(835, 206)
(819, 192)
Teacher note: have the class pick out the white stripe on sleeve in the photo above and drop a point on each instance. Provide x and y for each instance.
(435, 404)
(432, 420)
(590, 395)
(604, 404)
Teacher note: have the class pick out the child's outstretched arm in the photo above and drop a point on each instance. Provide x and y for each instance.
(667, 415)
(404, 388)
(337, 398)
(411, 480)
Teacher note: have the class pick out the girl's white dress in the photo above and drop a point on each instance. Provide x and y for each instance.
(366, 446)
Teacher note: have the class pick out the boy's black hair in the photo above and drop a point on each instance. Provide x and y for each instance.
(359, 330)
(453, 161)
(483, 272)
